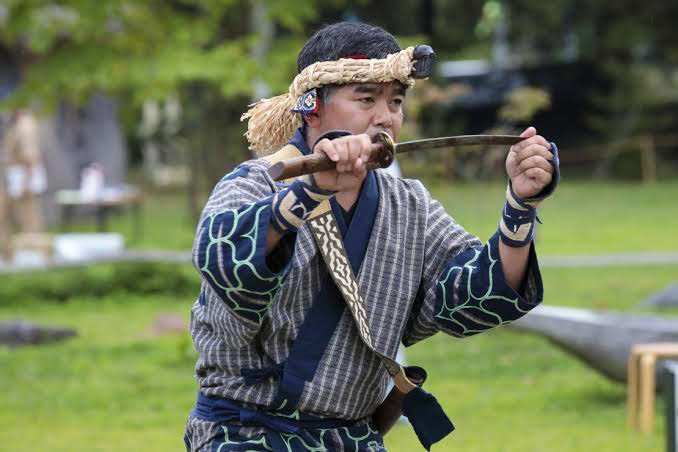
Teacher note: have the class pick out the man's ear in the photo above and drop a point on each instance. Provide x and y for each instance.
(312, 119)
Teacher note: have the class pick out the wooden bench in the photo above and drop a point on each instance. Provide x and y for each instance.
(108, 200)
(641, 381)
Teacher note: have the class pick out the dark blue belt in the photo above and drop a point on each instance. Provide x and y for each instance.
(217, 409)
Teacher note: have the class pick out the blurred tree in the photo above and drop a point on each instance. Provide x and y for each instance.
(69, 49)
(445, 24)
(632, 45)
(204, 52)
(207, 53)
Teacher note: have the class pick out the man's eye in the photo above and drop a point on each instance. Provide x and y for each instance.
(397, 102)
(366, 100)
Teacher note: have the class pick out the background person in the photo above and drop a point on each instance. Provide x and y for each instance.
(25, 173)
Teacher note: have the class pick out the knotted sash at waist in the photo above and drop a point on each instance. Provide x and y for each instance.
(218, 409)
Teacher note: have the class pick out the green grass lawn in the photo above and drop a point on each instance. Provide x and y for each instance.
(117, 387)
(581, 218)
(113, 388)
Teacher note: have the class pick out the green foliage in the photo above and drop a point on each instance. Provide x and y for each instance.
(629, 51)
(104, 280)
(200, 51)
(203, 52)
(523, 103)
(149, 49)
(492, 14)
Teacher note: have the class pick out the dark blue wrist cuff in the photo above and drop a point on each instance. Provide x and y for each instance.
(517, 224)
(292, 206)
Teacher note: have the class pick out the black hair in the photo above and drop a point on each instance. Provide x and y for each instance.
(346, 39)
(342, 40)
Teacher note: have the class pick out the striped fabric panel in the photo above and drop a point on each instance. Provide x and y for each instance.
(444, 240)
(472, 295)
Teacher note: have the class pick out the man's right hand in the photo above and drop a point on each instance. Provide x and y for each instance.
(351, 154)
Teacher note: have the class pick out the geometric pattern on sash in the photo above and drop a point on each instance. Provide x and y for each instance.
(328, 238)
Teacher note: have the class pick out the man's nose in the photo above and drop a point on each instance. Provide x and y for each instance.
(382, 115)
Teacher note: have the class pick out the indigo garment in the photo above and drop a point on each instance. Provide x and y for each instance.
(252, 306)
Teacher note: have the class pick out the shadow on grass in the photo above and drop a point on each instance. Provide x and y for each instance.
(589, 398)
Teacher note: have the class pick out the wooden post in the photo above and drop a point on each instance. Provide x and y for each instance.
(648, 159)
(633, 389)
(671, 385)
(646, 405)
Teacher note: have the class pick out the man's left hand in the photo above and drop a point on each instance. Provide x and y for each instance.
(529, 164)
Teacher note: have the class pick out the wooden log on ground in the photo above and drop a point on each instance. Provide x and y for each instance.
(667, 298)
(601, 340)
(24, 333)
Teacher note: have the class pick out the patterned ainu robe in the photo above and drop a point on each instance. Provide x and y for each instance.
(421, 273)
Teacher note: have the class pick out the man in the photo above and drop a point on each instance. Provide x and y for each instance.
(296, 327)
(26, 178)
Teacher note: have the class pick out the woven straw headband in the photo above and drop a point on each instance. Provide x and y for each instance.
(271, 122)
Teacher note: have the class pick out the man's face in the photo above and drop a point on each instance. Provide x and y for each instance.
(364, 108)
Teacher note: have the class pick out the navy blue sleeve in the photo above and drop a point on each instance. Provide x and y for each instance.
(230, 246)
(231, 256)
(472, 295)
(463, 290)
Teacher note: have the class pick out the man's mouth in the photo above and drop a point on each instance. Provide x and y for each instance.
(374, 134)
